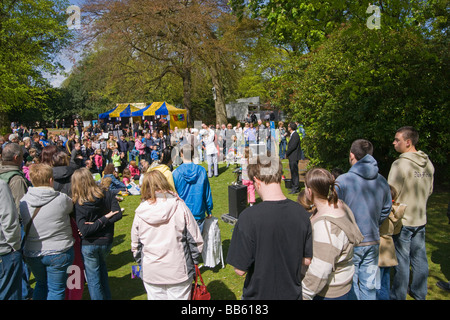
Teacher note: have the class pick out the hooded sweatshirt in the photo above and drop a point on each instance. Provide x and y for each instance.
(166, 240)
(62, 176)
(192, 184)
(50, 231)
(368, 195)
(412, 176)
(330, 273)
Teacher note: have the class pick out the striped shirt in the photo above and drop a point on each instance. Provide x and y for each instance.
(330, 273)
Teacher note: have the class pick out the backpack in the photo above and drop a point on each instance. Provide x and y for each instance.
(7, 176)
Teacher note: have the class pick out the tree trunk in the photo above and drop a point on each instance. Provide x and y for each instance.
(221, 112)
(187, 89)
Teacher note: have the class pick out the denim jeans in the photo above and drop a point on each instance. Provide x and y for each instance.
(365, 279)
(282, 152)
(50, 272)
(411, 252)
(385, 284)
(94, 257)
(11, 276)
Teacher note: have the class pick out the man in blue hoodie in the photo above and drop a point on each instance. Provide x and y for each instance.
(368, 195)
(192, 185)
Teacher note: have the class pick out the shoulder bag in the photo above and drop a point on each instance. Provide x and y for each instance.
(28, 226)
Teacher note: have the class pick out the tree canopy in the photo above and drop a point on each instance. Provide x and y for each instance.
(31, 34)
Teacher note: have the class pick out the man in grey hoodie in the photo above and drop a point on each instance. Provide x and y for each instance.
(368, 195)
(412, 177)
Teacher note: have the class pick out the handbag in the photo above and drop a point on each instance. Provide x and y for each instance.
(199, 291)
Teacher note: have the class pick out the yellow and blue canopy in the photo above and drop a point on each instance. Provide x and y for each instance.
(120, 111)
(177, 116)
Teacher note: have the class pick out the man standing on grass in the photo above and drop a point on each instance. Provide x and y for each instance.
(192, 185)
(368, 195)
(294, 154)
(412, 176)
(271, 240)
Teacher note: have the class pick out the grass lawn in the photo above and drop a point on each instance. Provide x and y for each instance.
(224, 284)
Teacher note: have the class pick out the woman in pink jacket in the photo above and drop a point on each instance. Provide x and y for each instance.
(165, 240)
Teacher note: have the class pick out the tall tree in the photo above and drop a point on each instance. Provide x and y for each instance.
(301, 25)
(363, 83)
(164, 37)
(31, 33)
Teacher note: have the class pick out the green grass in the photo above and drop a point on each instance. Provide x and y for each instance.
(224, 284)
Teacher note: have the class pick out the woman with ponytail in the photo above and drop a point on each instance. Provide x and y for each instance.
(335, 233)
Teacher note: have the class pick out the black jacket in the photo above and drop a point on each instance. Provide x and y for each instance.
(61, 179)
(294, 150)
(101, 232)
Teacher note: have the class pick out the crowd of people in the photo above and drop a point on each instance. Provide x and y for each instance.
(60, 195)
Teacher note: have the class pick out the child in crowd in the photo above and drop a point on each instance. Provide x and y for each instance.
(116, 160)
(245, 179)
(144, 167)
(26, 167)
(123, 161)
(98, 160)
(155, 154)
(134, 170)
(126, 176)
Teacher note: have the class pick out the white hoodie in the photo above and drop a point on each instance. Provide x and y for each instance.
(170, 237)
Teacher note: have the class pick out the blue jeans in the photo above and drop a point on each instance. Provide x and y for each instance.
(385, 284)
(365, 279)
(201, 224)
(411, 252)
(282, 151)
(94, 257)
(51, 275)
(11, 276)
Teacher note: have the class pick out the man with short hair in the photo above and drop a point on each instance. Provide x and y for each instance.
(412, 176)
(368, 195)
(192, 185)
(271, 240)
(12, 174)
(294, 154)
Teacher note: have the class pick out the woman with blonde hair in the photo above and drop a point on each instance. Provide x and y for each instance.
(335, 233)
(165, 240)
(48, 241)
(96, 211)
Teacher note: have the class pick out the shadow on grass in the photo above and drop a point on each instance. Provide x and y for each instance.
(219, 289)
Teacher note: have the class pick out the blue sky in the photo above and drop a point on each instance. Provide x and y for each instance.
(65, 57)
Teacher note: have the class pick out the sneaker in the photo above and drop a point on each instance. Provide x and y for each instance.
(443, 285)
